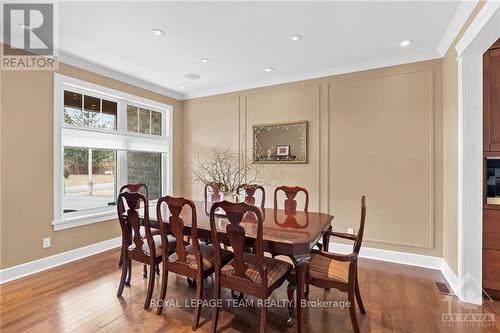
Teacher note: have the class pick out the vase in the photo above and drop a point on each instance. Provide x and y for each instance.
(230, 196)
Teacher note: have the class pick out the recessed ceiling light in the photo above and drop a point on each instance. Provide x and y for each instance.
(182, 87)
(205, 60)
(268, 69)
(26, 26)
(158, 32)
(405, 43)
(192, 76)
(296, 38)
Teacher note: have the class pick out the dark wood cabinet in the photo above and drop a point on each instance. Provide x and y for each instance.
(491, 136)
(491, 98)
(491, 230)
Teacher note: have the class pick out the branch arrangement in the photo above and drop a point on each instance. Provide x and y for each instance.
(226, 170)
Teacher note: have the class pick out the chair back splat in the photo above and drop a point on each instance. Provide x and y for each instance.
(132, 222)
(235, 234)
(250, 190)
(175, 206)
(290, 202)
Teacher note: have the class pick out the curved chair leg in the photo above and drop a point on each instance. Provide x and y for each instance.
(290, 290)
(215, 310)
(151, 287)
(123, 278)
(129, 274)
(352, 308)
(199, 298)
(263, 319)
(120, 262)
(358, 296)
(163, 292)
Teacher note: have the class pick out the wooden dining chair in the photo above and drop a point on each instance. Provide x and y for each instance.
(290, 207)
(250, 190)
(247, 273)
(147, 249)
(290, 204)
(211, 195)
(126, 241)
(135, 187)
(195, 261)
(339, 271)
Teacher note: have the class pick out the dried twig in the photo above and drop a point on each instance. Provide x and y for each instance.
(227, 170)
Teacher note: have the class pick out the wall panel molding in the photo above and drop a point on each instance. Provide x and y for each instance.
(429, 244)
(314, 100)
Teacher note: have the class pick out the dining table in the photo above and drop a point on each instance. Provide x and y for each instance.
(287, 233)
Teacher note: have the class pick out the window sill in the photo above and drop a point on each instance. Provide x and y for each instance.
(77, 221)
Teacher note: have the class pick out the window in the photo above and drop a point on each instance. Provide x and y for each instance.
(103, 139)
(88, 111)
(145, 167)
(144, 121)
(89, 179)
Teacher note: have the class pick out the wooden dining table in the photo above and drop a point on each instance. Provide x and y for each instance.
(292, 234)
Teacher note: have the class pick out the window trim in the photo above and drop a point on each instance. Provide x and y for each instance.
(94, 138)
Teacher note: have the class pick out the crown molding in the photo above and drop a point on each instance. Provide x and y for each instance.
(462, 14)
(79, 62)
(101, 70)
(312, 75)
(483, 18)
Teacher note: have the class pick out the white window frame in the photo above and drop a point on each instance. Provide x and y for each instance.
(119, 140)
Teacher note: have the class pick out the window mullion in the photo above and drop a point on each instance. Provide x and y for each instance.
(122, 177)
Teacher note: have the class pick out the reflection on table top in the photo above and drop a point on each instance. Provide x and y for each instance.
(278, 226)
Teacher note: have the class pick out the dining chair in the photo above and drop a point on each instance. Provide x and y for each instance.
(147, 249)
(290, 207)
(126, 241)
(339, 271)
(250, 190)
(290, 204)
(211, 189)
(248, 273)
(195, 261)
(130, 188)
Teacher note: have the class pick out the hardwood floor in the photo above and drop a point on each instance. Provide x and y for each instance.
(81, 297)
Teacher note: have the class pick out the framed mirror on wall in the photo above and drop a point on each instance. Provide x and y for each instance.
(280, 142)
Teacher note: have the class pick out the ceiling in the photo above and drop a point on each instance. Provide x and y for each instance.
(241, 39)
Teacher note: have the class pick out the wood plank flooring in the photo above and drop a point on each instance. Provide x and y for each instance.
(81, 297)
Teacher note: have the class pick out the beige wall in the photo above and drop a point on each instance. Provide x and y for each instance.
(450, 150)
(378, 132)
(375, 132)
(26, 166)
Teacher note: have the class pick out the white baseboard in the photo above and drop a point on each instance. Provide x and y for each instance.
(404, 258)
(450, 276)
(16, 272)
(392, 256)
(438, 263)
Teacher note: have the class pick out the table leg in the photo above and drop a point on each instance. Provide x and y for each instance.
(301, 267)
